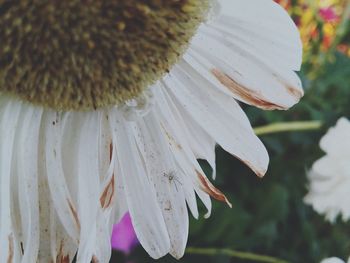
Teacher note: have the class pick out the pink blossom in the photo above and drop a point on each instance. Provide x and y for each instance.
(328, 14)
(124, 238)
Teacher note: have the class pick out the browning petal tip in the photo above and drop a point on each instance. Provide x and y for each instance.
(211, 190)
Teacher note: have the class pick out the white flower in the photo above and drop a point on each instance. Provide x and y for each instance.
(333, 260)
(67, 176)
(330, 176)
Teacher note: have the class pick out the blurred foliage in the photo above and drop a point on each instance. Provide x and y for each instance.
(268, 215)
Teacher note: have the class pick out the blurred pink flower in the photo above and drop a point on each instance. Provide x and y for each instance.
(123, 237)
(328, 14)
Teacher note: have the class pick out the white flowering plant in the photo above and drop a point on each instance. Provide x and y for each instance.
(131, 111)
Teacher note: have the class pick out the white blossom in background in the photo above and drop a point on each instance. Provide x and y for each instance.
(333, 260)
(329, 178)
(67, 176)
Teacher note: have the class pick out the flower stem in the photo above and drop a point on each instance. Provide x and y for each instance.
(233, 254)
(288, 126)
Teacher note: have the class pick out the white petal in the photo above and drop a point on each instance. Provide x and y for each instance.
(167, 179)
(330, 176)
(332, 260)
(175, 132)
(278, 36)
(143, 206)
(55, 244)
(88, 190)
(336, 141)
(63, 247)
(27, 172)
(61, 197)
(219, 115)
(8, 123)
(234, 49)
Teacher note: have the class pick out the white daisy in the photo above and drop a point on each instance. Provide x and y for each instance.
(330, 176)
(92, 126)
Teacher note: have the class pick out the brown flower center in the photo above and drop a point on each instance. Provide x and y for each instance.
(86, 54)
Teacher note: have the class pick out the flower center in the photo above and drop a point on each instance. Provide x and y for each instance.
(86, 54)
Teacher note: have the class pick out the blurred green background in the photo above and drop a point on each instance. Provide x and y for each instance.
(268, 215)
